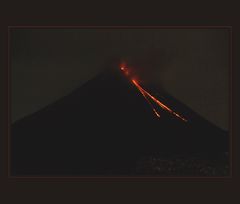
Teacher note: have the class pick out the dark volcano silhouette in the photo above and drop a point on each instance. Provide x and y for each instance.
(104, 127)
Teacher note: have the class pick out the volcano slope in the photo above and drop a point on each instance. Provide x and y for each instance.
(107, 127)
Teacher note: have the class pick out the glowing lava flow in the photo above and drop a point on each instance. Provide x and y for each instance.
(146, 95)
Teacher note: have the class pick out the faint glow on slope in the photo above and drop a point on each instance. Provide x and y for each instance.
(146, 95)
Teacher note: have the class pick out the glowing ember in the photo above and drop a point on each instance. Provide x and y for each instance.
(147, 95)
(125, 70)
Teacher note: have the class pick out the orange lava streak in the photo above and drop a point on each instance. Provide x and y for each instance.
(145, 93)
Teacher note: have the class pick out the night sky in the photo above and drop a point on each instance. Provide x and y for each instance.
(190, 64)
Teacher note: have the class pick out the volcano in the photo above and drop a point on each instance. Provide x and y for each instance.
(107, 125)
